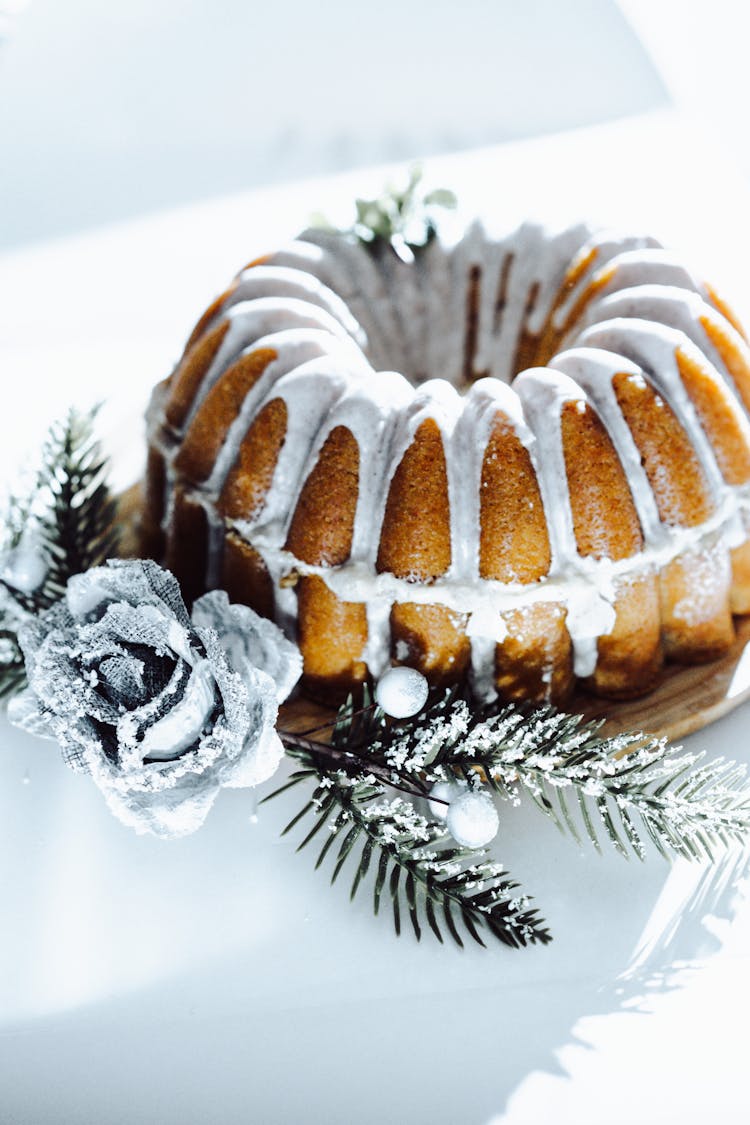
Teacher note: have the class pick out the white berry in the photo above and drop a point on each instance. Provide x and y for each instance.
(445, 791)
(472, 819)
(25, 569)
(402, 692)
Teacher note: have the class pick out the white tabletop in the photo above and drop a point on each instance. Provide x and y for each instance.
(219, 978)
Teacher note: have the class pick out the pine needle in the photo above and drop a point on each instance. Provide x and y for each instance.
(71, 516)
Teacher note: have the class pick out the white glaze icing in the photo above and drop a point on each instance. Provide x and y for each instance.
(601, 248)
(250, 321)
(674, 308)
(336, 313)
(281, 281)
(648, 266)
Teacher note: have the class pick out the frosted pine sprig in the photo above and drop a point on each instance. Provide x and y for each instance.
(636, 788)
(628, 788)
(78, 525)
(417, 864)
(64, 525)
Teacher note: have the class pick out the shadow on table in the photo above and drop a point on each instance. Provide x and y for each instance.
(451, 1054)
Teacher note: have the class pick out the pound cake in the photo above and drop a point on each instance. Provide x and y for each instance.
(521, 461)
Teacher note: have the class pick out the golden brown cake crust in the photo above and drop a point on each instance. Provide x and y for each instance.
(550, 335)
(187, 544)
(208, 429)
(535, 661)
(694, 633)
(154, 505)
(733, 352)
(250, 477)
(528, 341)
(185, 381)
(717, 418)
(211, 312)
(513, 537)
(674, 472)
(415, 540)
(245, 576)
(323, 522)
(415, 544)
(332, 637)
(726, 310)
(272, 535)
(432, 639)
(605, 521)
(606, 525)
(630, 657)
(332, 633)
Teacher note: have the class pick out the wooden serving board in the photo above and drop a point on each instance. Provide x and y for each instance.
(687, 699)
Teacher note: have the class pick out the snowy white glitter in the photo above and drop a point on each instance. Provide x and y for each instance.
(402, 692)
(472, 819)
(445, 791)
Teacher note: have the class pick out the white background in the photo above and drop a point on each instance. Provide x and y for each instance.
(219, 978)
(110, 110)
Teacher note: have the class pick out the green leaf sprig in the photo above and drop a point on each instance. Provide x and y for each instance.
(402, 218)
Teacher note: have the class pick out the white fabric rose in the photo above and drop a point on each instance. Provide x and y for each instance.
(162, 710)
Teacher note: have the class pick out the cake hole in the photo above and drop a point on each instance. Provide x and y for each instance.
(436, 325)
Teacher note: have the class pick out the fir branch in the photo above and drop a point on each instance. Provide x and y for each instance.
(78, 528)
(631, 787)
(418, 866)
(69, 517)
(17, 516)
(635, 788)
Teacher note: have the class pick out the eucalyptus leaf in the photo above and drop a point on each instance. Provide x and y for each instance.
(403, 218)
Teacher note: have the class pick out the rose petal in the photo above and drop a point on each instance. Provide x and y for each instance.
(140, 718)
(24, 712)
(250, 641)
(181, 727)
(262, 749)
(86, 593)
(169, 814)
(138, 583)
(121, 676)
(63, 686)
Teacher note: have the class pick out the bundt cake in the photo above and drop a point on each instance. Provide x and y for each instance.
(554, 488)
